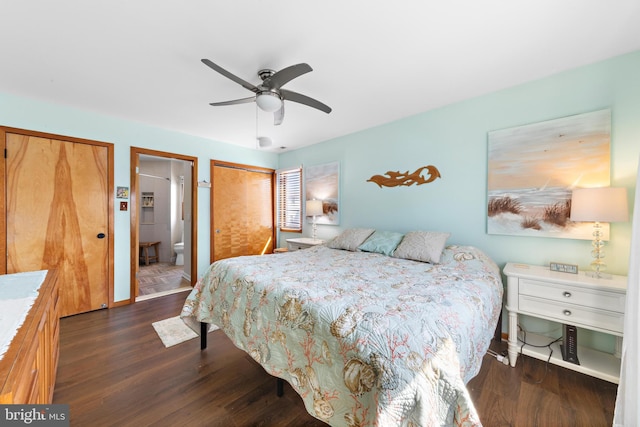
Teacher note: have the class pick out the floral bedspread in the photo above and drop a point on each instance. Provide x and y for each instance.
(365, 339)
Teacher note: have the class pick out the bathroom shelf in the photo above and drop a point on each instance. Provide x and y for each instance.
(147, 199)
(147, 215)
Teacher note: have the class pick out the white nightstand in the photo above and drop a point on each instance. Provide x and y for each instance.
(573, 299)
(302, 243)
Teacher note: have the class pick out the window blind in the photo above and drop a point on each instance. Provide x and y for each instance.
(290, 199)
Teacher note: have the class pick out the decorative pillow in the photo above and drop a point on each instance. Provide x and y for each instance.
(382, 242)
(350, 239)
(425, 246)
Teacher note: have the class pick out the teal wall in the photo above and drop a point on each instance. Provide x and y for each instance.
(454, 139)
(45, 117)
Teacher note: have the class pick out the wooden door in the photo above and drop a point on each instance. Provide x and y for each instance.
(242, 210)
(57, 211)
(259, 212)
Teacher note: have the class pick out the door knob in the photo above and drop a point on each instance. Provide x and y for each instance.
(100, 236)
(218, 231)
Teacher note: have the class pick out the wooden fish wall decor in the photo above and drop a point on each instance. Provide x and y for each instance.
(395, 179)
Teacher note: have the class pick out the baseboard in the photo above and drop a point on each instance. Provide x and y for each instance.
(162, 294)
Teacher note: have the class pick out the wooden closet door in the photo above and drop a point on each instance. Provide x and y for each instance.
(229, 202)
(259, 212)
(242, 211)
(57, 216)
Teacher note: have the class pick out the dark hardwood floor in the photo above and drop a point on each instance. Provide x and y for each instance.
(114, 370)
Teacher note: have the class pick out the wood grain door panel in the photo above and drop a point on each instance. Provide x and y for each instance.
(260, 213)
(57, 205)
(229, 233)
(242, 211)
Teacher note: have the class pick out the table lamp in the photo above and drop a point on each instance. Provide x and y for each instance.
(603, 204)
(314, 208)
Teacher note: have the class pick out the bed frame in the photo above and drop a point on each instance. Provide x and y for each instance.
(204, 328)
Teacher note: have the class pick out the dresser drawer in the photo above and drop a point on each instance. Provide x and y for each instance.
(594, 298)
(296, 246)
(302, 243)
(571, 314)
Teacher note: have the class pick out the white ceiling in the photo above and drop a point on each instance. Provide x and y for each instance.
(373, 61)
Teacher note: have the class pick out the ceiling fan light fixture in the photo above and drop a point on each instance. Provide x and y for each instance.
(269, 95)
(268, 101)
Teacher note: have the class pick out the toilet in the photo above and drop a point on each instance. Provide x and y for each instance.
(179, 249)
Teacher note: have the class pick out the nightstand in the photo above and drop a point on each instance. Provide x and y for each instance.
(302, 243)
(573, 299)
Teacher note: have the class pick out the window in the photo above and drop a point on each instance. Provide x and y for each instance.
(290, 199)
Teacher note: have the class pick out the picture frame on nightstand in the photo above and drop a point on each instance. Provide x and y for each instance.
(563, 268)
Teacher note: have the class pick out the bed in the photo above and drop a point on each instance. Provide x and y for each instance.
(365, 338)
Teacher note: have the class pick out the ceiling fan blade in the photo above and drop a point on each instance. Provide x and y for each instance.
(285, 75)
(278, 116)
(234, 102)
(303, 99)
(228, 75)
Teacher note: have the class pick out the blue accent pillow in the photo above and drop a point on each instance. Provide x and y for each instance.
(382, 242)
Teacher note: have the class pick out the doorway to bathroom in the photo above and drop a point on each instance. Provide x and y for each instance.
(163, 217)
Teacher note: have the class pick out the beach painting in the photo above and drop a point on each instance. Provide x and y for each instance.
(322, 182)
(532, 170)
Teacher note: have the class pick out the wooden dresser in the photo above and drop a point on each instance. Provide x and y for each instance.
(28, 368)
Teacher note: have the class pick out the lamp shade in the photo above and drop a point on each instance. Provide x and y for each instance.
(603, 204)
(268, 101)
(314, 207)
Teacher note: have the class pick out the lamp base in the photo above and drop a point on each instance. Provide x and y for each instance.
(598, 275)
(597, 265)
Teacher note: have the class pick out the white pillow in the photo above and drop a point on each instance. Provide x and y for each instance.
(425, 246)
(350, 239)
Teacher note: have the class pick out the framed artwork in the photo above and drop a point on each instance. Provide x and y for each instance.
(122, 192)
(322, 182)
(533, 169)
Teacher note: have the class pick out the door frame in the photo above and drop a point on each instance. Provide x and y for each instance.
(135, 226)
(110, 197)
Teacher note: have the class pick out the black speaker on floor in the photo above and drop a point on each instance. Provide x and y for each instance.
(569, 344)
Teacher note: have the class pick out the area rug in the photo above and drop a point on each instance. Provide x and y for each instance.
(174, 331)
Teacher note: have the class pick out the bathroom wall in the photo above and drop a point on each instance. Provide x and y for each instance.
(181, 215)
(155, 222)
(188, 221)
(177, 221)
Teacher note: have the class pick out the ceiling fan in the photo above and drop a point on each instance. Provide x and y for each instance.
(269, 94)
